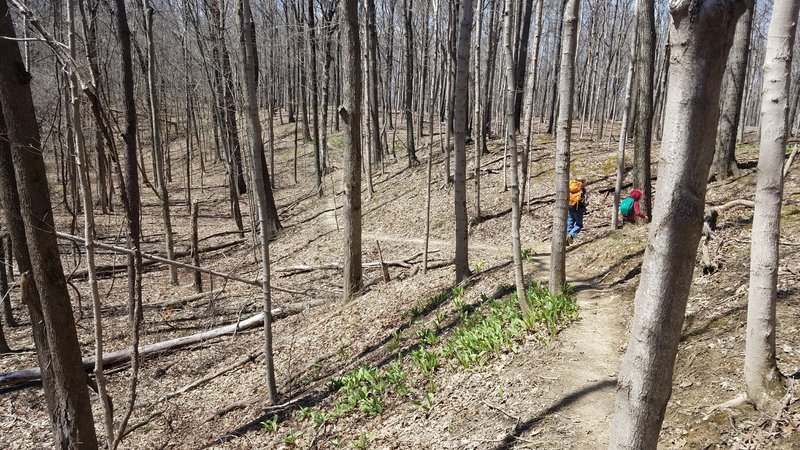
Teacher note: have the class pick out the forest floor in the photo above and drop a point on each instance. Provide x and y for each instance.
(542, 390)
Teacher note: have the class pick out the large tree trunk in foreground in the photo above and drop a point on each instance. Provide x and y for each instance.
(350, 112)
(74, 426)
(460, 139)
(9, 198)
(724, 165)
(704, 35)
(566, 88)
(260, 178)
(765, 386)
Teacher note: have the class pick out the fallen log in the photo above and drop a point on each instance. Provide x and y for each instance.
(124, 355)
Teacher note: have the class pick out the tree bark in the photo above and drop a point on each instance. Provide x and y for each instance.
(131, 199)
(88, 228)
(350, 113)
(409, 85)
(460, 115)
(511, 135)
(158, 148)
(372, 58)
(260, 178)
(312, 43)
(724, 165)
(645, 71)
(74, 426)
(703, 32)
(765, 383)
(566, 89)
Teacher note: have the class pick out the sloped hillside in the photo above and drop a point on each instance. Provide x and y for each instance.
(417, 362)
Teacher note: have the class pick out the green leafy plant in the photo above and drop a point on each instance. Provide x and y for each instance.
(528, 254)
(320, 418)
(437, 321)
(501, 324)
(362, 441)
(427, 361)
(270, 425)
(427, 402)
(427, 336)
(480, 266)
(291, 438)
(364, 387)
(305, 412)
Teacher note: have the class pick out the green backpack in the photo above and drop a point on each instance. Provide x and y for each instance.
(626, 207)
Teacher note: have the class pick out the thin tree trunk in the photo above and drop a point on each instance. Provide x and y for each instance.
(765, 383)
(372, 57)
(312, 43)
(645, 57)
(566, 88)
(511, 136)
(724, 165)
(158, 149)
(131, 197)
(88, 229)
(460, 115)
(704, 35)
(621, 148)
(478, 120)
(260, 178)
(350, 112)
(409, 85)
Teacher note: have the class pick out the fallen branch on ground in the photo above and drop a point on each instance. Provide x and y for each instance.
(238, 363)
(123, 356)
(304, 268)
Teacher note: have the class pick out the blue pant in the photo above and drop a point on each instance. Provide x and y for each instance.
(574, 222)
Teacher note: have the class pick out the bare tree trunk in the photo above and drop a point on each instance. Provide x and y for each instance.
(523, 33)
(131, 199)
(409, 85)
(260, 178)
(88, 229)
(8, 317)
(7, 260)
(511, 136)
(478, 120)
(350, 112)
(621, 148)
(566, 89)
(460, 114)
(530, 92)
(704, 33)
(645, 71)
(158, 149)
(765, 383)
(724, 165)
(372, 57)
(74, 427)
(314, 97)
(16, 230)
